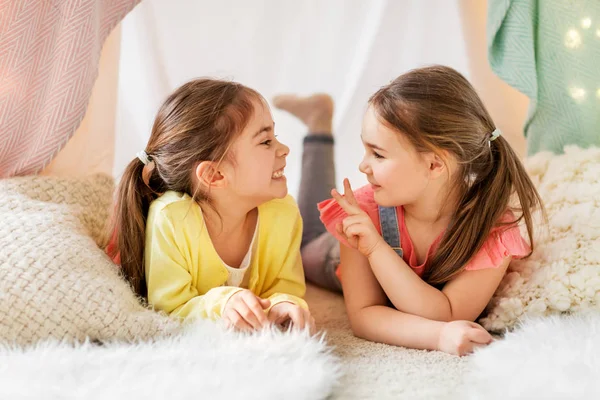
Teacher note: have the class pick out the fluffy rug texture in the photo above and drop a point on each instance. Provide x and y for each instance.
(563, 273)
(556, 357)
(378, 371)
(204, 362)
(54, 279)
(550, 358)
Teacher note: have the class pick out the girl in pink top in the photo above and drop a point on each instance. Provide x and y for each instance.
(427, 242)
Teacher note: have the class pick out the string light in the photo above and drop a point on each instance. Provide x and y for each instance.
(586, 23)
(577, 93)
(573, 39)
(598, 93)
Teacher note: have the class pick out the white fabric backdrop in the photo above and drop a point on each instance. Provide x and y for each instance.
(348, 48)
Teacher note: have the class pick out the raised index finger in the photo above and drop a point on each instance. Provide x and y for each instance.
(343, 202)
(349, 194)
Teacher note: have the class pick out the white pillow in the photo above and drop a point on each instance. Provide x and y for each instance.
(55, 282)
(563, 273)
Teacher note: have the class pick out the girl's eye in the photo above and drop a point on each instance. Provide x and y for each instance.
(377, 155)
(267, 142)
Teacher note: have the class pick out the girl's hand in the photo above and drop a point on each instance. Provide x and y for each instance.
(357, 228)
(462, 337)
(286, 312)
(245, 311)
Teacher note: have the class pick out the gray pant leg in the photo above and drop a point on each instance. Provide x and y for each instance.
(316, 181)
(321, 258)
(320, 250)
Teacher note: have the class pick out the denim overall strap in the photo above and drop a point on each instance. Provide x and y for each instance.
(388, 219)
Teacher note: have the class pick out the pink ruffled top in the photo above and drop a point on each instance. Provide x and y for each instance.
(501, 243)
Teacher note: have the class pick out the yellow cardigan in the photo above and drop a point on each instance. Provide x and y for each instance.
(185, 274)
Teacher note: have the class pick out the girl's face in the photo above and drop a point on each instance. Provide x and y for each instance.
(257, 170)
(398, 174)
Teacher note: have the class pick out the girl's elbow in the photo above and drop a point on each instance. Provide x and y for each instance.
(359, 331)
(358, 324)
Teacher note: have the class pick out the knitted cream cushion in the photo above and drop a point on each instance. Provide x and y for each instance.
(55, 282)
(563, 273)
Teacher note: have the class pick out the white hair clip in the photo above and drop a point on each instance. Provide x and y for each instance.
(496, 134)
(143, 156)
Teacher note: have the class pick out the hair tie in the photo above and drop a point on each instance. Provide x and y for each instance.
(147, 172)
(496, 134)
(148, 166)
(143, 156)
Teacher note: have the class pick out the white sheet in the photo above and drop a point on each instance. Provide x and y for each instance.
(348, 48)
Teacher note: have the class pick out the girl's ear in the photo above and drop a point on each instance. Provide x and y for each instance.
(437, 165)
(209, 176)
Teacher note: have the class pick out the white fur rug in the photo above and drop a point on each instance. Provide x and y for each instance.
(550, 358)
(205, 362)
(553, 358)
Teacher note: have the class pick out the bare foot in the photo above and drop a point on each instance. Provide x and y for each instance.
(315, 111)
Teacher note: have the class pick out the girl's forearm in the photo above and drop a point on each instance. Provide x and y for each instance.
(386, 325)
(405, 289)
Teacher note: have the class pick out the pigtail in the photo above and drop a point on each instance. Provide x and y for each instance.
(502, 179)
(522, 187)
(133, 198)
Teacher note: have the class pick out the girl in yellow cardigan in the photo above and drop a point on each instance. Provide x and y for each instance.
(203, 224)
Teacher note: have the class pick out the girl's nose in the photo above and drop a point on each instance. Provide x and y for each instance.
(363, 166)
(283, 150)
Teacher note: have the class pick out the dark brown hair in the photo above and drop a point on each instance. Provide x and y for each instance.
(438, 110)
(198, 122)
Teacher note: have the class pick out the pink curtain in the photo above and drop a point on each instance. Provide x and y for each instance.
(49, 52)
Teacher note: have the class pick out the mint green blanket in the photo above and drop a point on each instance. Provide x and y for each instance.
(550, 51)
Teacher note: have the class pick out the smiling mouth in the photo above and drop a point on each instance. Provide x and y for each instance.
(277, 174)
